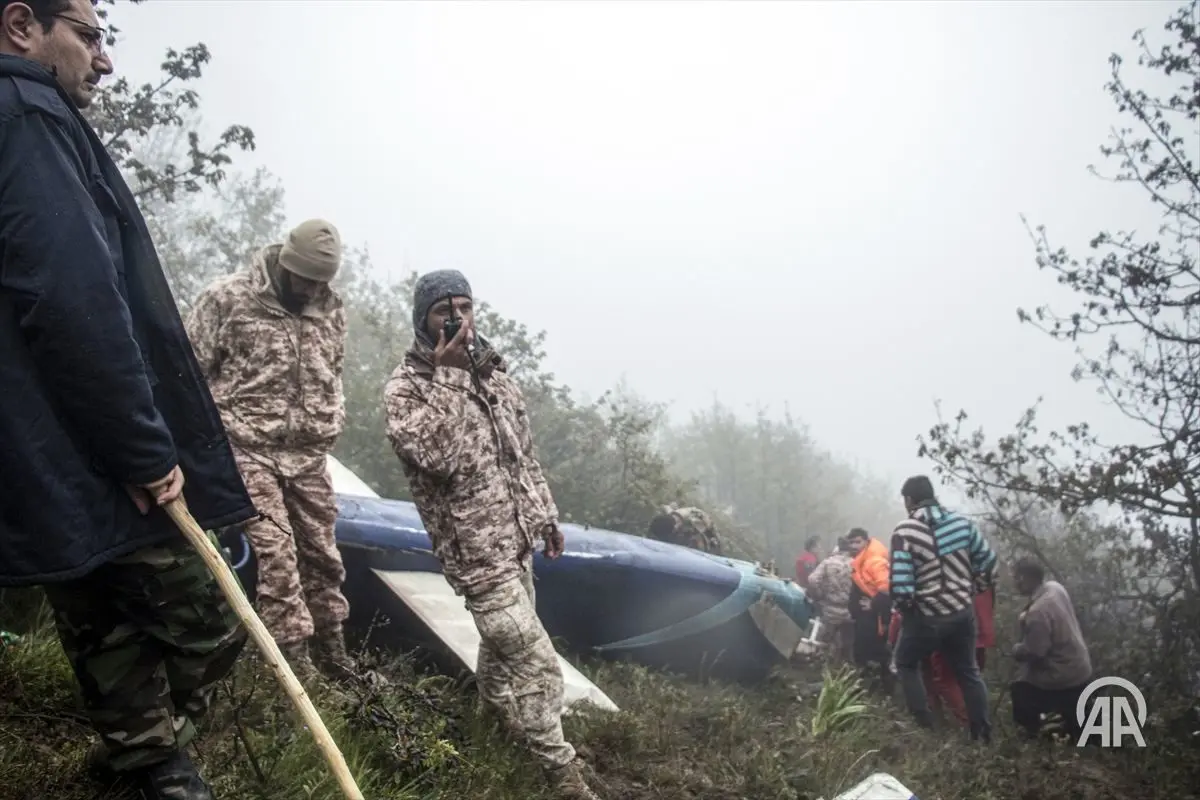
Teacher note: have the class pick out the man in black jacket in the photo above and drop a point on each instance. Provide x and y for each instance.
(102, 414)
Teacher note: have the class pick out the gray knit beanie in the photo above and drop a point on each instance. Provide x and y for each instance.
(432, 287)
(313, 250)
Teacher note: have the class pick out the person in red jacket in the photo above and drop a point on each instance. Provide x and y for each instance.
(806, 562)
(985, 607)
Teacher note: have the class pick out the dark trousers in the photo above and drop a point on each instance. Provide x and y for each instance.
(841, 640)
(1029, 702)
(148, 636)
(953, 636)
(871, 651)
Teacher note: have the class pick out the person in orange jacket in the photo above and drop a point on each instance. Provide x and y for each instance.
(870, 606)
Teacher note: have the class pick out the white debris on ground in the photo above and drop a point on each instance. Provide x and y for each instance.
(879, 786)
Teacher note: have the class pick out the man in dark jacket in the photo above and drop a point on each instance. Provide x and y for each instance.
(102, 415)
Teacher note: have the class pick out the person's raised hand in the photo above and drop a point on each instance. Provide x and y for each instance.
(555, 542)
(454, 353)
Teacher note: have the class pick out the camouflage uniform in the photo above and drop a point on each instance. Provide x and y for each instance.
(468, 456)
(692, 527)
(829, 585)
(512, 673)
(148, 636)
(277, 380)
(300, 571)
(467, 451)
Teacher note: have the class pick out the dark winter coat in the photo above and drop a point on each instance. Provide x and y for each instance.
(98, 383)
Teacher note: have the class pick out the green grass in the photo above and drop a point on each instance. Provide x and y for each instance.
(674, 739)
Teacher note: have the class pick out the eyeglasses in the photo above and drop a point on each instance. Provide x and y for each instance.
(92, 35)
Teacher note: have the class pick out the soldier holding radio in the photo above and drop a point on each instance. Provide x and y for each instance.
(459, 425)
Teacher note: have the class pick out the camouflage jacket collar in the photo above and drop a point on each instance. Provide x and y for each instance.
(326, 304)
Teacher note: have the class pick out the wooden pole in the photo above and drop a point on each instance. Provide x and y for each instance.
(266, 643)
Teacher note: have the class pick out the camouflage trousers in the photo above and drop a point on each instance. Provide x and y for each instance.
(300, 571)
(518, 673)
(148, 637)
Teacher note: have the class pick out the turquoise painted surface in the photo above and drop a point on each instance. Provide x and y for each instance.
(750, 588)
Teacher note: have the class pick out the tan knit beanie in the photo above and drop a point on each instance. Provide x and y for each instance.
(313, 250)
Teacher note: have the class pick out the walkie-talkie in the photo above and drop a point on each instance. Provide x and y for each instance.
(450, 329)
(452, 326)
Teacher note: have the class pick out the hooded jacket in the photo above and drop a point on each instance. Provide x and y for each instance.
(100, 385)
(467, 450)
(276, 376)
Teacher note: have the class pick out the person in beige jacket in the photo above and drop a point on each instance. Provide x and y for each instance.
(1053, 663)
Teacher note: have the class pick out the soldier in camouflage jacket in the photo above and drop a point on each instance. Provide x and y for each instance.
(688, 526)
(829, 585)
(270, 339)
(458, 423)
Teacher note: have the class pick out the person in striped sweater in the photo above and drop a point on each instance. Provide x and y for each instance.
(939, 562)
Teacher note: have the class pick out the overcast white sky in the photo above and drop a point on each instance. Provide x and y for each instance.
(804, 202)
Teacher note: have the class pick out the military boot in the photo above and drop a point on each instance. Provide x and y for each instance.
(296, 654)
(96, 761)
(174, 779)
(568, 783)
(330, 656)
